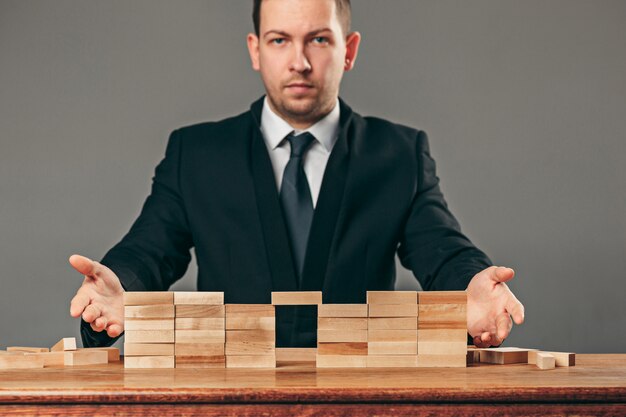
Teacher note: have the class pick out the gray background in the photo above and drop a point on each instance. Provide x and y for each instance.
(524, 102)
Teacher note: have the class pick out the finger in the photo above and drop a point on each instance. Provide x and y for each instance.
(485, 337)
(83, 265)
(79, 303)
(91, 313)
(515, 309)
(96, 327)
(503, 328)
(502, 274)
(114, 330)
(101, 322)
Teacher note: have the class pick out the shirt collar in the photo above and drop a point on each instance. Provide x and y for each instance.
(275, 128)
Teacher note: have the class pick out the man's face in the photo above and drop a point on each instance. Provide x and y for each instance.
(301, 53)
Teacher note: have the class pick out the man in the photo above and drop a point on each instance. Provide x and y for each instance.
(300, 192)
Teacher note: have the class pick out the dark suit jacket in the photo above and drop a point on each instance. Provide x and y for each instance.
(215, 191)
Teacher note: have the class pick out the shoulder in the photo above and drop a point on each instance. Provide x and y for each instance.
(389, 133)
(229, 126)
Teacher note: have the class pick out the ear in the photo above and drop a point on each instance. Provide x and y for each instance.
(353, 40)
(253, 50)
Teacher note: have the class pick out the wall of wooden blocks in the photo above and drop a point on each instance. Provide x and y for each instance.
(393, 329)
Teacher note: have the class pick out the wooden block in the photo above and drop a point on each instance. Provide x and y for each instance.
(199, 349)
(442, 348)
(296, 354)
(293, 298)
(341, 336)
(503, 355)
(148, 324)
(442, 316)
(342, 323)
(18, 361)
(139, 298)
(149, 336)
(198, 298)
(67, 343)
(200, 323)
(85, 357)
(251, 361)
(561, 358)
(250, 323)
(200, 336)
(441, 361)
(392, 297)
(250, 348)
(442, 335)
(441, 297)
(342, 348)
(148, 349)
(392, 323)
(341, 361)
(15, 352)
(113, 354)
(50, 358)
(473, 356)
(250, 310)
(216, 361)
(544, 360)
(342, 310)
(27, 349)
(250, 336)
(392, 310)
(199, 311)
(149, 312)
(392, 348)
(392, 361)
(148, 362)
(392, 335)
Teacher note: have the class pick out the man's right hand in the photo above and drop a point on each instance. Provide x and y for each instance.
(100, 300)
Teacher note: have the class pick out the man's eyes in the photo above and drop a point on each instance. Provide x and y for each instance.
(320, 39)
(317, 39)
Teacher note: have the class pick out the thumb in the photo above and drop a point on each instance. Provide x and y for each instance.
(502, 274)
(83, 265)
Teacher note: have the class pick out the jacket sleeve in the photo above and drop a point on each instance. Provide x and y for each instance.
(155, 252)
(432, 245)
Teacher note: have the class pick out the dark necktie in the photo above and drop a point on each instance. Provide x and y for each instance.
(295, 197)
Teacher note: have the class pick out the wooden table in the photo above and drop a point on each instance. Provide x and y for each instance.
(596, 385)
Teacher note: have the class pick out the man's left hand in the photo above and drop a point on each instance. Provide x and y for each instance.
(490, 305)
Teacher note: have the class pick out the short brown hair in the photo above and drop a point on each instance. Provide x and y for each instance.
(344, 12)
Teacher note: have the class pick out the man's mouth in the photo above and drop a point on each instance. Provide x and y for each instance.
(299, 87)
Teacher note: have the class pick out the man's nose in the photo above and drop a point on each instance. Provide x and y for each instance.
(299, 61)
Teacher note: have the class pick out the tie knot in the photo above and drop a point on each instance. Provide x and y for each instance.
(299, 143)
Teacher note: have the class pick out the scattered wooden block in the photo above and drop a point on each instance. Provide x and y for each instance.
(441, 297)
(138, 298)
(148, 324)
(473, 356)
(296, 354)
(148, 349)
(544, 360)
(561, 358)
(148, 362)
(18, 361)
(113, 354)
(199, 349)
(392, 335)
(251, 361)
(250, 310)
(441, 361)
(503, 355)
(149, 336)
(250, 336)
(341, 336)
(216, 361)
(27, 349)
(198, 298)
(392, 297)
(341, 361)
(149, 311)
(392, 310)
(200, 311)
(200, 336)
(250, 323)
(51, 358)
(392, 323)
(392, 361)
(200, 323)
(342, 323)
(342, 310)
(250, 348)
(67, 343)
(342, 348)
(85, 357)
(392, 348)
(296, 298)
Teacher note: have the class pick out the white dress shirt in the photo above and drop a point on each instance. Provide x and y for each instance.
(325, 131)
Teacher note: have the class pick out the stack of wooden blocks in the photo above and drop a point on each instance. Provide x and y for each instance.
(250, 336)
(200, 330)
(149, 329)
(342, 335)
(442, 329)
(392, 335)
